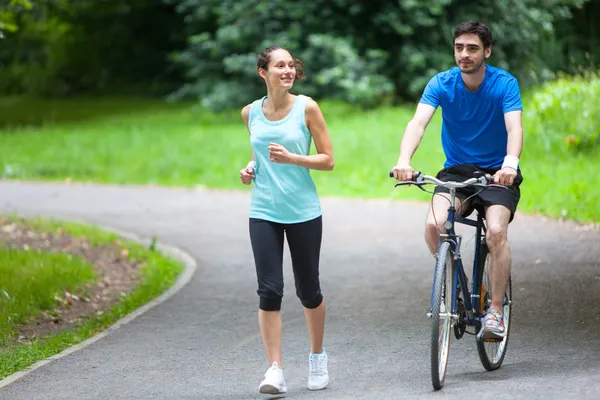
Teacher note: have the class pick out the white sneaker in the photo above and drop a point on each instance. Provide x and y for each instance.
(274, 382)
(318, 377)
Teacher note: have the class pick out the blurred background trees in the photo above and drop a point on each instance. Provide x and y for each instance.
(367, 52)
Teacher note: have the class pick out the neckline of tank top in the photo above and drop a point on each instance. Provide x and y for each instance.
(282, 120)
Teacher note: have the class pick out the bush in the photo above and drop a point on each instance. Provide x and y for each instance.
(566, 112)
(360, 51)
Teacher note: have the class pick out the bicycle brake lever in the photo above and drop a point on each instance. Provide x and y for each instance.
(408, 183)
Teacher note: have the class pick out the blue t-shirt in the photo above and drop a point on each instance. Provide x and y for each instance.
(473, 127)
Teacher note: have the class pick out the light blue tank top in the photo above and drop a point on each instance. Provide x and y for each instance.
(283, 193)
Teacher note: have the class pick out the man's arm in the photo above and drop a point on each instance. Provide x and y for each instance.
(412, 138)
(514, 127)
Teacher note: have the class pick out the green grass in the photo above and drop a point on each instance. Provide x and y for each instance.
(30, 279)
(142, 141)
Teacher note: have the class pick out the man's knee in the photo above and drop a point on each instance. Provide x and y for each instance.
(496, 236)
(497, 217)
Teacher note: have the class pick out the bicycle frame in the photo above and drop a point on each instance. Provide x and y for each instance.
(472, 298)
(468, 309)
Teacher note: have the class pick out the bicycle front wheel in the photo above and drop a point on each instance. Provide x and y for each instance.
(491, 351)
(441, 314)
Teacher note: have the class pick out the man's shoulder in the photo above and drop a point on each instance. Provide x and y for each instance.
(445, 80)
(501, 74)
(447, 75)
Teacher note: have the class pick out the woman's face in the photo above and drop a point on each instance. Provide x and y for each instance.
(281, 70)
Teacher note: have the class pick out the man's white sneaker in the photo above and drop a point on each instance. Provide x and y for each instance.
(274, 382)
(318, 377)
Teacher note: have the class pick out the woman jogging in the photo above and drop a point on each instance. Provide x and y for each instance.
(285, 202)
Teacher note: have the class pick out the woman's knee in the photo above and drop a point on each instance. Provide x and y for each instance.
(270, 295)
(270, 303)
(310, 300)
(308, 290)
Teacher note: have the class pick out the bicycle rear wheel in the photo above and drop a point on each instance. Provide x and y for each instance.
(441, 310)
(492, 352)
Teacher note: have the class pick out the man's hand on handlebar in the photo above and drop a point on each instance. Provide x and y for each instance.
(403, 172)
(505, 176)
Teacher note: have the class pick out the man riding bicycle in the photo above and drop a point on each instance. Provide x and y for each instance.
(481, 132)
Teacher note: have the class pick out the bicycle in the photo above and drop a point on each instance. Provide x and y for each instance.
(467, 308)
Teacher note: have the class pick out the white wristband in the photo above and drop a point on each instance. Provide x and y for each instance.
(251, 164)
(511, 161)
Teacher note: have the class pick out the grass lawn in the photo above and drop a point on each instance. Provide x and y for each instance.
(34, 282)
(145, 141)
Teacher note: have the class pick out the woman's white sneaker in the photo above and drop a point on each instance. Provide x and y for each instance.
(318, 377)
(274, 382)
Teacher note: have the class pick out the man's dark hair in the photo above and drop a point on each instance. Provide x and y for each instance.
(477, 28)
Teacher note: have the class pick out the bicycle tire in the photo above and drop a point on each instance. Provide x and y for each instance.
(492, 353)
(441, 327)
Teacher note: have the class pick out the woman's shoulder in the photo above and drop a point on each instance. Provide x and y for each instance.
(248, 109)
(308, 101)
(246, 112)
(311, 105)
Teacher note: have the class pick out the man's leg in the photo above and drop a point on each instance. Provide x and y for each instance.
(437, 215)
(498, 217)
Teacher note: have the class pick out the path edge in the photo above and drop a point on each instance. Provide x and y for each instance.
(183, 279)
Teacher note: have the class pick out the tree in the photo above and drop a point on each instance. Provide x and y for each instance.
(362, 51)
(9, 12)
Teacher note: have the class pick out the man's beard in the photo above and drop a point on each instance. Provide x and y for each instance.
(471, 69)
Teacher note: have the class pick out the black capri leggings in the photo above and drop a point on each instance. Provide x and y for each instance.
(304, 240)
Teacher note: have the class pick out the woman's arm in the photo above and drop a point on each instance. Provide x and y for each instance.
(323, 160)
(247, 173)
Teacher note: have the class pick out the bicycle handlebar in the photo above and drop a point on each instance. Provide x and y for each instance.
(420, 179)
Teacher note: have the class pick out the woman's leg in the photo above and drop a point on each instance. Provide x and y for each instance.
(267, 245)
(305, 248)
(304, 240)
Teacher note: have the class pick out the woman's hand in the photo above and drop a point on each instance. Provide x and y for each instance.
(247, 175)
(279, 154)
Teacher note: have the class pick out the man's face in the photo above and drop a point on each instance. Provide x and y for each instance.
(469, 53)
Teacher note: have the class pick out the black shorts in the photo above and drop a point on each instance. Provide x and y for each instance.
(485, 197)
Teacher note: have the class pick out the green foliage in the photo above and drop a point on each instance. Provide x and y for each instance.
(132, 141)
(574, 46)
(226, 36)
(360, 51)
(364, 52)
(63, 47)
(349, 76)
(8, 15)
(566, 114)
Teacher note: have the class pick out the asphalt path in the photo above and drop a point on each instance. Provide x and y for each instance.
(203, 342)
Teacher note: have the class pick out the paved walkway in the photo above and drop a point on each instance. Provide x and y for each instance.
(203, 343)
